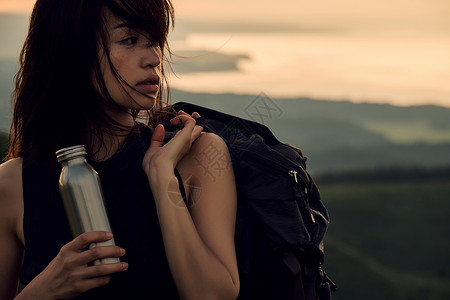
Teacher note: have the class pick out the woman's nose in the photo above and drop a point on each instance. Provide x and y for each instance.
(151, 55)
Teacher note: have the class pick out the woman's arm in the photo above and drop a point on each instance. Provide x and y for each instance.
(199, 242)
(11, 209)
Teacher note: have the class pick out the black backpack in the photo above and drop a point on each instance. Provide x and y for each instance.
(280, 221)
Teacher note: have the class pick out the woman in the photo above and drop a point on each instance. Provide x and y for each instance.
(89, 68)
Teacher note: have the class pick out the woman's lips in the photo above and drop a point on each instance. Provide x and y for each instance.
(147, 87)
(149, 84)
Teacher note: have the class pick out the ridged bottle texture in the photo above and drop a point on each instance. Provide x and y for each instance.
(81, 192)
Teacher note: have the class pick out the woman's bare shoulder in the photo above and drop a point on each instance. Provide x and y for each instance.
(208, 157)
(208, 141)
(11, 168)
(10, 180)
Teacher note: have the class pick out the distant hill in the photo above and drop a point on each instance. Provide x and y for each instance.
(335, 136)
(392, 122)
(342, 135)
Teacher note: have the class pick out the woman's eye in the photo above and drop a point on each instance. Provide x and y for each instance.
(129, 41)
(153, 43)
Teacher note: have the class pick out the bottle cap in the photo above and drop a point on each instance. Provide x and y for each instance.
(70, 153)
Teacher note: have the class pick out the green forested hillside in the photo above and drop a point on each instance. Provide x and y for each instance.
(388, 239)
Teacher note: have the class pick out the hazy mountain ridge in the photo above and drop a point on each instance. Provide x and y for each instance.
(335, 136)
(307, 107)
(189, 61)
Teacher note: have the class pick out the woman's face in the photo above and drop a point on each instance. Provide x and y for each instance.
(137, 60)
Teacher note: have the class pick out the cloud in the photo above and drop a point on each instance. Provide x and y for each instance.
(187, 26)
(195, 61)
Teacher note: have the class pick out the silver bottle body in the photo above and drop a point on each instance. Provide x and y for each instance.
(81, 193)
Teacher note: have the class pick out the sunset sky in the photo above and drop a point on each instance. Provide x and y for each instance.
(362, 50)
(415, 10)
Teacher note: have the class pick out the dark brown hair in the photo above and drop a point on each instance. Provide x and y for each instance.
(56, 103)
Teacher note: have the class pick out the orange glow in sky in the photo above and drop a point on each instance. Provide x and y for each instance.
(282, 8)
(16, 6)
(384, 49)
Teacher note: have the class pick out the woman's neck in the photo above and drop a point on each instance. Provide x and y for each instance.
(112, 139)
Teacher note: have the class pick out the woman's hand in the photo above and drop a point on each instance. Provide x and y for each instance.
(69, 274)
(167, 156)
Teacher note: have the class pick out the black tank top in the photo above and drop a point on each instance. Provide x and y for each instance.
(132, 212)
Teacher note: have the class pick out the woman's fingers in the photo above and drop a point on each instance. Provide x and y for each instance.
(172, 152)
(178, 119)
(97, 253)
(197, 132)
(84, 239)
(158, 136)
(85, 257)
(181, 119)
(190, 129)
(104, 270)
(187, 121)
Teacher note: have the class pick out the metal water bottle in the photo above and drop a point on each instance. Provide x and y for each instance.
(80, 189)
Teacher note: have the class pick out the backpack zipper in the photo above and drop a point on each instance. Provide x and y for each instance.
(291, 172)
(294, 173)
(282, 166)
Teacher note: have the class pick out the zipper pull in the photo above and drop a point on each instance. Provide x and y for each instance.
(293, 173)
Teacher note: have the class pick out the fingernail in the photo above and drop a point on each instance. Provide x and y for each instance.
(122, 251)
(109, 235)
(196, 115)
(124, 266)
